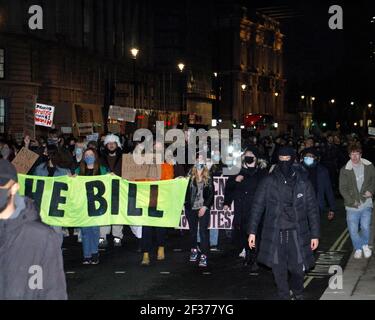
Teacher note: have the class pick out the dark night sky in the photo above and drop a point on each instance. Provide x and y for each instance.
(324, 62)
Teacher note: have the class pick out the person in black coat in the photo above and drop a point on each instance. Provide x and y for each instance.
(291, 226)
(319, 177)
(31, 261)
(240, 189)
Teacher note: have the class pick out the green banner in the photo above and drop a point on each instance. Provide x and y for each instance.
(105, 200)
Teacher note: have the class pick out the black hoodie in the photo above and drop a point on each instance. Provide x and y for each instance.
(29, 248)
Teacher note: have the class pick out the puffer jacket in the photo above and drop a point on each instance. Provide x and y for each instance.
(268, 202)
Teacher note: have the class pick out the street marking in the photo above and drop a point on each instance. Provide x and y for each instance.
(120, 272)
(70, 272)
(339, 243)
(164, 272)
(344, 241)
(338, 240)
(206, 272)
(254, 274)
(307, 282)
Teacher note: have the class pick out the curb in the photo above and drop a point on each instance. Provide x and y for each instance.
(352, 275)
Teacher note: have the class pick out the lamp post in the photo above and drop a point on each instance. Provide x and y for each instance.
(134, 52)
(181, 67)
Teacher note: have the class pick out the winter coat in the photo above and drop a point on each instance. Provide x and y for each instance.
(42, 171)
(28, 246)
(348, 183)
(268, 202)
(324, 189)
(242, 194)
(117, 170)
(208, 194)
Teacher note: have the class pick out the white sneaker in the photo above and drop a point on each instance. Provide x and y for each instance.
(358, 254)
(242, 254)
(367, 251)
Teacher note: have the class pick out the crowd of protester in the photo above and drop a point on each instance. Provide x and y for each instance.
(272, 171)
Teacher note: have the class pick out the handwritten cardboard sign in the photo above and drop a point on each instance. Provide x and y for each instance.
(24, 160)
(114, 128)
(44, 115)
(85, 129)
(133, 171)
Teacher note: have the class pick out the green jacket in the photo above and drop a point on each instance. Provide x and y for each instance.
(102, 170)
(348, 183)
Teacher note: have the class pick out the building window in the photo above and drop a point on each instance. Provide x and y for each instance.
(2, 115)
(2, 63)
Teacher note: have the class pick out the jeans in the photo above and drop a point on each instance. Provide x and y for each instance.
(356, 218)
(203, 222)
(214, 237)
(90, 241)
(288, 261)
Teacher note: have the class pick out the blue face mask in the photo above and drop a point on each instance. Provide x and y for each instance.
(308, 161)
(90, 160)
(199, 166)
(216, 158)
(78, 152)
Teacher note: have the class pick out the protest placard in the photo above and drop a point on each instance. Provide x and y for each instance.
(44, 115)
(371, 131)
(66, 130)
(133, 171)
(24, 160)
(220, 218)
(85, 129)
(121, 113)
(92, 137)
(114, 128)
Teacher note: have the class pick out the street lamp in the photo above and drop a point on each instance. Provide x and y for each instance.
(332, 101)
(302, 97)
(276, 94)
(352, 103)
(313, 98)
(243, 86)
(215, 74)
(369, 105)
(134, 52)
(181, 67)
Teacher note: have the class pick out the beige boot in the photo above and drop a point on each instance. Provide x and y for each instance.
(146, 259)
(161, 254)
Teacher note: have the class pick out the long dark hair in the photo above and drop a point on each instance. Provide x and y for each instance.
(83, 166)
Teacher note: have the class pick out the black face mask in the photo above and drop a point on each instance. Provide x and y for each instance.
(4, 199)
(249, 160)
(286, 167)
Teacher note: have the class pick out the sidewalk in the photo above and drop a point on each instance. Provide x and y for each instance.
(358, 279)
